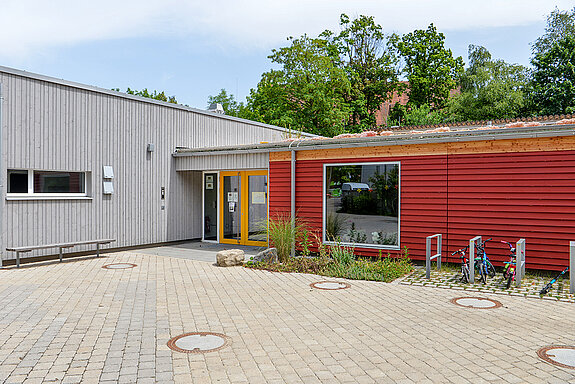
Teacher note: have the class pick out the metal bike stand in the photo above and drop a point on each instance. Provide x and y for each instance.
(428, 256)
(572, 267)
(472, 243)
(519, 261)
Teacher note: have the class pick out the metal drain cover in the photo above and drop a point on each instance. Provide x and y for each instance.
(560, 355)
(119, 266)
(198, 342)
(330, 285)
(476, 302)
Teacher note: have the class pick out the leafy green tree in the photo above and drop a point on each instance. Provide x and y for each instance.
(490, 89)
(401, 115)
(307, 93)
(430, 68)
(154, 95)
(553, 82)
(329, 84)
(559, 25)
(229, 103)
(370, 61)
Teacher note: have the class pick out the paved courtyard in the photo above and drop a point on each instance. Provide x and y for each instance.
(77, 322)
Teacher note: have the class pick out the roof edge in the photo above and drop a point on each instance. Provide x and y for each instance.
(91, 88)
(396, 139)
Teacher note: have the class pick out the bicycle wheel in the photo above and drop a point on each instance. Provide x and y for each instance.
(464, 273)
(509, 280)
(490, 269)
(506, 272)
(481, 272)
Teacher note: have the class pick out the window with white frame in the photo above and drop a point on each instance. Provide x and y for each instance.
(361, 204)
(49, 183)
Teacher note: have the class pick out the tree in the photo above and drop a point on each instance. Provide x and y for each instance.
(307, 93)
(559, 25)
(331, 83)
(370, 61)
(229, 103)
(490, 89)
(553, 82)
(401, 115)
(155, 95)
(431, 70)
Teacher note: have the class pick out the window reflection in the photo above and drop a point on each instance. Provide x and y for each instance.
(362, 203)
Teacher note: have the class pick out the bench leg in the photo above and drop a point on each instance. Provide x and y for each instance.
(97, 249)
(60, 254)
(17, 259)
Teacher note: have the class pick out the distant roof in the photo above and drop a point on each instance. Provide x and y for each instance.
(483, 123)
(442, 134)
(35, 76)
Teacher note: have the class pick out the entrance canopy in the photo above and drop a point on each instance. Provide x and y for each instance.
(208, 161)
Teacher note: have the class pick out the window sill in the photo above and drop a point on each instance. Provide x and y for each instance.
(40, 197)
(366, 246)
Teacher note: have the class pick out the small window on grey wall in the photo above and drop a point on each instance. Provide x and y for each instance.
(17, 181)
(59, 182)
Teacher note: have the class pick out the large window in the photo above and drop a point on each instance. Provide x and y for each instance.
(31, 182)
(362, 204)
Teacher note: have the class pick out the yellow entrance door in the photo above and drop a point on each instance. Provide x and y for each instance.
(244, 207)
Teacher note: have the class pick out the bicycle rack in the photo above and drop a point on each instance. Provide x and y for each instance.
(472, 243)
(572, 267)
(519, 261)
(428, 256)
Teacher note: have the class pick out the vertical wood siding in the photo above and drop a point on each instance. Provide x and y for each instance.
(506, 196)
(50, 126)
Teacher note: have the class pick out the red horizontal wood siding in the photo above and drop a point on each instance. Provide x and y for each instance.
(428, 192)
(279, 187)
(511, 196)
(505, 196)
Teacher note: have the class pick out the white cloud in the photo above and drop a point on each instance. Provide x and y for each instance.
(31, 25)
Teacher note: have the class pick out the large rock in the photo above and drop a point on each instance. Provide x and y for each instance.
(230, 257)
(270, 255)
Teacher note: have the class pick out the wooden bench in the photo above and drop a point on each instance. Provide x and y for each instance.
(20, 250)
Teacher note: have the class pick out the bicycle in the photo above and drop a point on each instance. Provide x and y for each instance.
(510, 266)
(482, 263)
(464, 264)
(546, 288)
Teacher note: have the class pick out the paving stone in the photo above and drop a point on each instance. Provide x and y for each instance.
(81, 321)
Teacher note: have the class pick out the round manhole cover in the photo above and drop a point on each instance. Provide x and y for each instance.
(119, 266)
(560, 355)
(198, 342)
(476, 302)
(330, 285)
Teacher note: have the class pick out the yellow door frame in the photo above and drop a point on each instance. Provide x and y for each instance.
(244, 206)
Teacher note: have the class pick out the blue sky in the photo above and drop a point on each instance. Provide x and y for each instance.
(191, 49)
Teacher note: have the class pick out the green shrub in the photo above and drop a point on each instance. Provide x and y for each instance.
(281, 234)
(341, 254)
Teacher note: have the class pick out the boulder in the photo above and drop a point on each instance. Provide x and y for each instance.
(269, 255)
(230, 257)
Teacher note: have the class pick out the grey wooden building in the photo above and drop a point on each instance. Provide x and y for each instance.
(80, 163)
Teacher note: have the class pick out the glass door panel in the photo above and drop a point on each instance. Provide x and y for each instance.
(244, 207)
(257, 207)
(211, 206)
(232, 207)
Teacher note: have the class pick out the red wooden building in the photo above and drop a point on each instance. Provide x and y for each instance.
(386, 191)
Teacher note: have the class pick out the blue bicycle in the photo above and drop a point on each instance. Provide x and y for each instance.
(483, 265)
